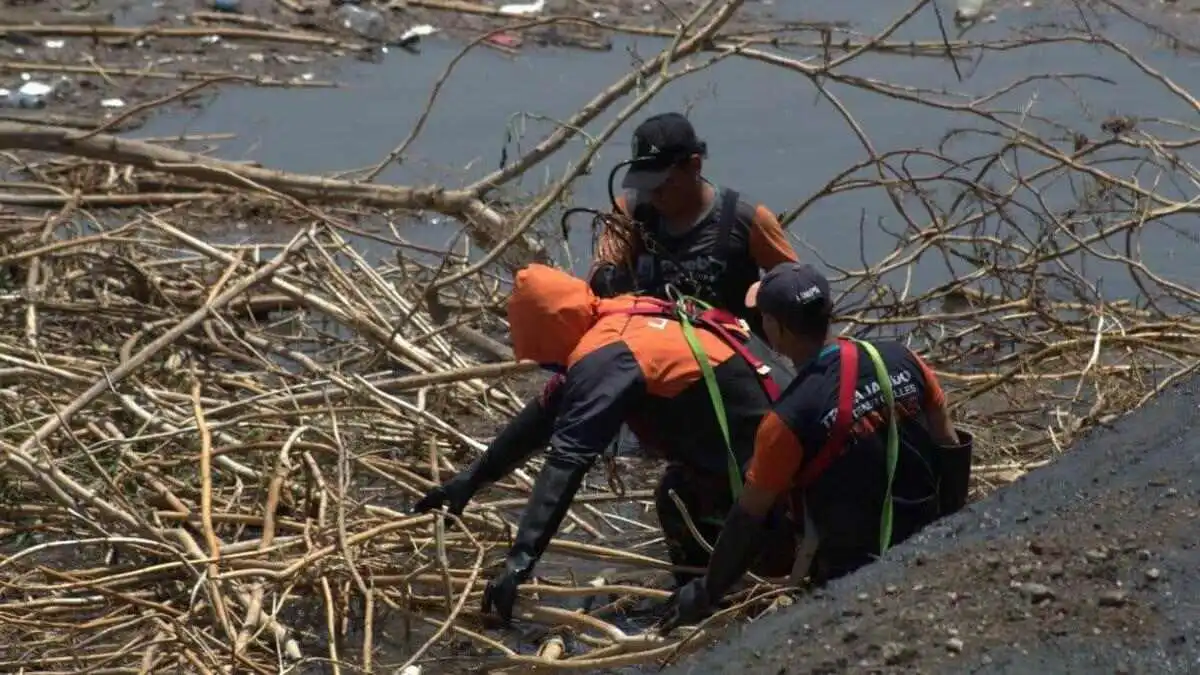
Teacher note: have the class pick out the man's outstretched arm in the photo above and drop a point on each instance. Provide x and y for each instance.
(598, 393)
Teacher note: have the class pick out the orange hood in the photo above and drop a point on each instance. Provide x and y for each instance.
(549, 312)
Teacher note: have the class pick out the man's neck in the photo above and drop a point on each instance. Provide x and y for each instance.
(679, 223)
(803, 355)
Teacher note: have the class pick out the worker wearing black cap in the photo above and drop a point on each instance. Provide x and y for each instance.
(701, 239)
(860, 448)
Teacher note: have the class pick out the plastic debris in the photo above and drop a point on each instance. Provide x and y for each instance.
(968, 10)
(227, 5)
(523, 8)
(113, 103)
(508, 40)
(33, 94)
(55, 44)
(365, 22)
(210, 39)
(415, 33)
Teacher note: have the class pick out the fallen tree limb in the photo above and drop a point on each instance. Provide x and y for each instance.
(485, 225)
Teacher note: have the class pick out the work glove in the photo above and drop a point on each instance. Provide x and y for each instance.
(524, 435)
(688, 605)
(742, 539)
(454, 493)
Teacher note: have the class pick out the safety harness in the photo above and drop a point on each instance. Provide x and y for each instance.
(838, 440)
(684, 309)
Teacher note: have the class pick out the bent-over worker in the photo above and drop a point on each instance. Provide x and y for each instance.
(860, 446)
(626, 360)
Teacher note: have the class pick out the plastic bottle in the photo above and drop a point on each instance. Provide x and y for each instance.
(365, 22)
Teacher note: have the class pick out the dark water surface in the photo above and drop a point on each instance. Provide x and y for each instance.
(769, 133)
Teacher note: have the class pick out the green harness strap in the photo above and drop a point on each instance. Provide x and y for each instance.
(714, 392)
(735, 472)
(893, 443)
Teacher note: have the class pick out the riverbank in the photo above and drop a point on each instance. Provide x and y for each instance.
(1084, 566)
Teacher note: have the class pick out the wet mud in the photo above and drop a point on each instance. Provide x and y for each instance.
(1085, 566)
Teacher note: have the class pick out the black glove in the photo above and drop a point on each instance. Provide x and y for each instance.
(954, 473)
(688, 605)
(524, 435)
(455, 492)
(553, 491)
(742, 539)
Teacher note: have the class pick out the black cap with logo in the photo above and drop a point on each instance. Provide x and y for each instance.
(659, 143)
(795, 294)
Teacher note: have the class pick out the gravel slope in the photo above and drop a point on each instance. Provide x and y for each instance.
(1089, 565)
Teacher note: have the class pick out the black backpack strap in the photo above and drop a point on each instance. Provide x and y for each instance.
(646, 219)
(728, 217)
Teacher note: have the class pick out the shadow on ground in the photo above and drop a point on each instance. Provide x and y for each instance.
(1088, 565)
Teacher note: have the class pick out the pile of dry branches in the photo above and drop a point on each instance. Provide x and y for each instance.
(209, 451)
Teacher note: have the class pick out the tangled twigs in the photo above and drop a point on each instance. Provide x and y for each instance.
(246, 476)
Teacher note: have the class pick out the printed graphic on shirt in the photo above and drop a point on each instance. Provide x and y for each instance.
(870, 402)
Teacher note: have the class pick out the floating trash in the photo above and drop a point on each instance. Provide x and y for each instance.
(415, 33)
(112, 103)
(33, 94)
(968, 10)
(365, 22)
(523, 8)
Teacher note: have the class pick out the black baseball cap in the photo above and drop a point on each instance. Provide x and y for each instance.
(794, 293)
(659, 143)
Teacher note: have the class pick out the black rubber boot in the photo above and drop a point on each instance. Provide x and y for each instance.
(553, 492)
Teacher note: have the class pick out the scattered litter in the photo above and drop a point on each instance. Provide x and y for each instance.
(257, 57)
(226, 5)
(32, 94)
(415, 33)
(523, 8)
(365, 22)
(210, 39)
(113, 103)
(598, 15)
(55, 44)
(508, 40)
(307, 77)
